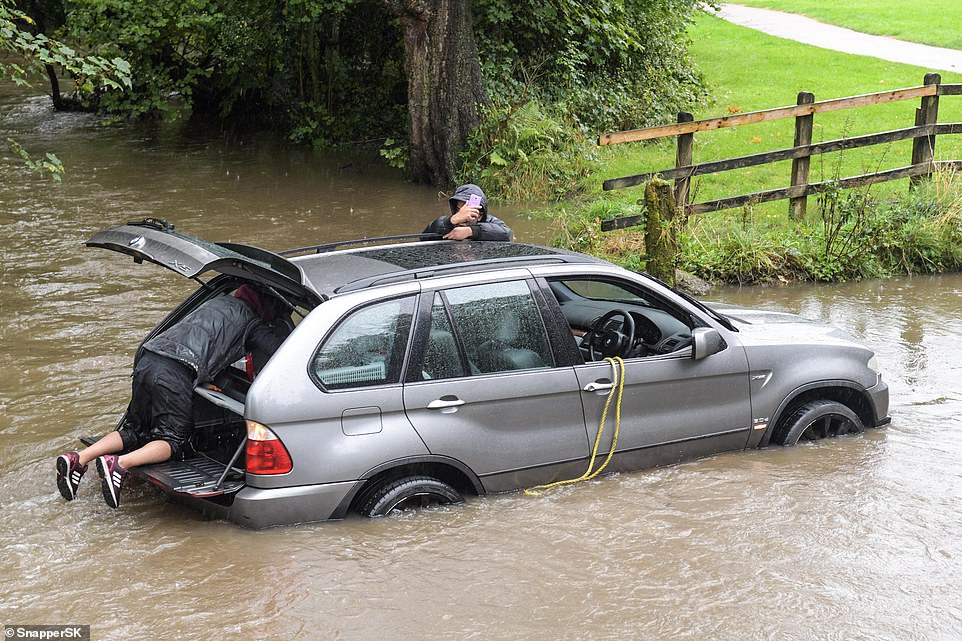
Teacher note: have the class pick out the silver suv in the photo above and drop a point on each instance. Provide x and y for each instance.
(422, 372)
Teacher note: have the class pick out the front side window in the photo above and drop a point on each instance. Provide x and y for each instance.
(598, 311)
(367, 348)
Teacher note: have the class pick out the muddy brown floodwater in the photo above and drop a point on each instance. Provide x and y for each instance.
(851, 538)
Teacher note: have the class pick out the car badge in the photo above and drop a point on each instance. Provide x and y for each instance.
(137, 242)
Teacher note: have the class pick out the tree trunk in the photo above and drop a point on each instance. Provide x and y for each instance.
(444, 84)
(58, 101)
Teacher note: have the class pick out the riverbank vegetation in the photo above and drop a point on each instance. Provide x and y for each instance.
(415, 76)
(848, 235)
(881, 230)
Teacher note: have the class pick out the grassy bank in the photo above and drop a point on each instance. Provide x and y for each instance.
(936, 22)
(749, 71)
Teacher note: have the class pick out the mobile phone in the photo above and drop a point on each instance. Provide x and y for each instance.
(474, 201)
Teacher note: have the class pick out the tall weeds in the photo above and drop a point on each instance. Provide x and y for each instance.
(849, 236)
(525, 152)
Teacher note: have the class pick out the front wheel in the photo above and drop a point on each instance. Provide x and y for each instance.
(409, 492)
(817, 420)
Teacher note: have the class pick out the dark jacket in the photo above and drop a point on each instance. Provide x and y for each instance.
(487, 228)
(215, 335)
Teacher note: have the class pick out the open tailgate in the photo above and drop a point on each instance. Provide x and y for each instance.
(156, 241)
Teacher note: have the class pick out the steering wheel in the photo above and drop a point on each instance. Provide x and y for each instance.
(604, 343)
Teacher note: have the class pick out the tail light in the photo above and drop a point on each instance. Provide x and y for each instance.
(265, 452)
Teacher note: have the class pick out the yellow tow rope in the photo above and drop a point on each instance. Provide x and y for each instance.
(618, 378)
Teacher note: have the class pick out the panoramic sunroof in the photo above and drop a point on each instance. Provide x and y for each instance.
(416, 256)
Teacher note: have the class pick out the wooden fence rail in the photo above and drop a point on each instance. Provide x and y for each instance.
(923, 135)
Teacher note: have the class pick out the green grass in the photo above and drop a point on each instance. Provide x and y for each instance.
(936, 22)
(749, 71)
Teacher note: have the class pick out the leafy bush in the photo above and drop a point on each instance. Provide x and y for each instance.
(609, 64)
(326, 71)
(522, 152)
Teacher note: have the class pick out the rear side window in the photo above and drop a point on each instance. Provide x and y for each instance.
(498, 325)
(367, 348)
(441, 358)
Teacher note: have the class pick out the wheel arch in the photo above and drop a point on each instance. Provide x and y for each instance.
(448, 470)
(848, 393)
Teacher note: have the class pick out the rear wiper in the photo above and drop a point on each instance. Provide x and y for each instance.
(155, 223)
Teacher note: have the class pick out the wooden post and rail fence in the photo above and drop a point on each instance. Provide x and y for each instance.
(923, 135)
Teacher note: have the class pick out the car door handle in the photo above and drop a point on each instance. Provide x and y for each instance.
(598, 386)
(447, 404)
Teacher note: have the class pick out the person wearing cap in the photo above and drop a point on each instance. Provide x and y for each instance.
(469, 221)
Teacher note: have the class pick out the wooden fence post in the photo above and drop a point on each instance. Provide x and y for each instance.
(798, 206)
(662, 226)
(923, 147)
(683, 158)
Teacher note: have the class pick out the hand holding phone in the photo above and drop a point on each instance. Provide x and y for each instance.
(475, 202)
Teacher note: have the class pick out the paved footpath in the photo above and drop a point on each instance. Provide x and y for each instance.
(795, 27)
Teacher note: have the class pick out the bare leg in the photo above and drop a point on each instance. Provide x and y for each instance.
(153, 452)
(107, 445)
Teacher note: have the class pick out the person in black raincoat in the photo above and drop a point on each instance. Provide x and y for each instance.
(467, 221)
(191, 352)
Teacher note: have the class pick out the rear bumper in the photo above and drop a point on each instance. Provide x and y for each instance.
(260, 508)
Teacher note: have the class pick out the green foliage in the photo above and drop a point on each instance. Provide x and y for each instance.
(580, 230)
(524, 153)
(36, 52)
(856, 236)
(608, 63)
(183, 52)
(326, 71)
(395, 152)
(853, 236)
(48, 166)
(90, 72)
(332, 71)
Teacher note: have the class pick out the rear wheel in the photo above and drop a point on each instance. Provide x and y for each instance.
(817, 420)
(409, 492)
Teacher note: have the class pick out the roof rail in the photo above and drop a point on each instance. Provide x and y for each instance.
(469, 266)
(328, 247)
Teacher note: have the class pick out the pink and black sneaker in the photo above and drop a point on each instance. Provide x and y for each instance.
(69, 473)
(112, 477)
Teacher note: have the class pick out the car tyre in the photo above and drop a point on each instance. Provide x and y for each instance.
(409, 492)
(817, 420)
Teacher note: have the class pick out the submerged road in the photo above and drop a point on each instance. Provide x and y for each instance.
(801, 29)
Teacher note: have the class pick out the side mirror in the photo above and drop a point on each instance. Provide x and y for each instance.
(705, 342)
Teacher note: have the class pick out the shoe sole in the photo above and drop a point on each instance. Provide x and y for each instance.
(63, 482)
(106, 487)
